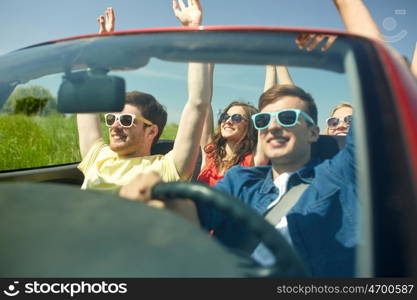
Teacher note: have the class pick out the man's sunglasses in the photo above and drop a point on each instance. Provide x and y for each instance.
(285, 118)
(125, 120)
(236, 118)
(334, 122)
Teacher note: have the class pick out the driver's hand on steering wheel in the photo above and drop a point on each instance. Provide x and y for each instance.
(140, 189)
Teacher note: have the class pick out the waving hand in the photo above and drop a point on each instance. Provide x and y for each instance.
(190, 15)
(107, 21)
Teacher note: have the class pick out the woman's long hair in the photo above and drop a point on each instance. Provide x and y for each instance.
(217, 148)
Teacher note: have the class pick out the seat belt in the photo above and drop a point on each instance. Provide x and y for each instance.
(274, 214)
(287, 202)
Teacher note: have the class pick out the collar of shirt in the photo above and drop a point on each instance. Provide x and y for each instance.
(281, 182)
(304, 174)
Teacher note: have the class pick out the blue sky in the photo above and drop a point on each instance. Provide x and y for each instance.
(27, 22)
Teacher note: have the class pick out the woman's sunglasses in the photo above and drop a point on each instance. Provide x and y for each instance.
(236, 118)
(285, 118)
(125, 120)
(334, 122)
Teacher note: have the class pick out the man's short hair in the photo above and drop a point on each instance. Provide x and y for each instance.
(278, 91)
(150, 108)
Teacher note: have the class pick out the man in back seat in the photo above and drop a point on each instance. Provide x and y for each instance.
(136, 128)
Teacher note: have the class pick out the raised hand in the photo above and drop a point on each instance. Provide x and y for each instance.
(190, 15)
(107, 21)
(309, 41)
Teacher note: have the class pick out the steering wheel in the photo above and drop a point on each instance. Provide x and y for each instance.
(56, 230)
(287, 263)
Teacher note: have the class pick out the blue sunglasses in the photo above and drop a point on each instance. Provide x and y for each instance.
(285, 118)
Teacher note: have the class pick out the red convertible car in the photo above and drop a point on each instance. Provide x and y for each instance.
(51, 228)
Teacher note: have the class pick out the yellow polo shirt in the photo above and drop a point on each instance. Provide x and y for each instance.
(103, 169)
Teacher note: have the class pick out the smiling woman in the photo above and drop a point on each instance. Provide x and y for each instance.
(234, 143)
(339, 121)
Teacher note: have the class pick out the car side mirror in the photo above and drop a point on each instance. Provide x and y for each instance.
(91, 91)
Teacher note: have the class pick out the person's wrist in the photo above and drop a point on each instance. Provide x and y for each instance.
(194, 24)
(339, 3)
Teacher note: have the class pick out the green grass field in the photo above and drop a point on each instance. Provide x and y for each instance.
(27, 142)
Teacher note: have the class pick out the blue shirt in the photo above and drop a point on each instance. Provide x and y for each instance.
(324, 222)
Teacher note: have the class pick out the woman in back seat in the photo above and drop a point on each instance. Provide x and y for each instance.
(232, 144)
(235, 142)
(340, 119)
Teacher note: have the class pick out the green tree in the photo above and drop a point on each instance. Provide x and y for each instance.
(35, 91)
(29, 105)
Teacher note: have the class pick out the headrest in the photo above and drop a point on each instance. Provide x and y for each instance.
(327, 146)
(162, 147)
